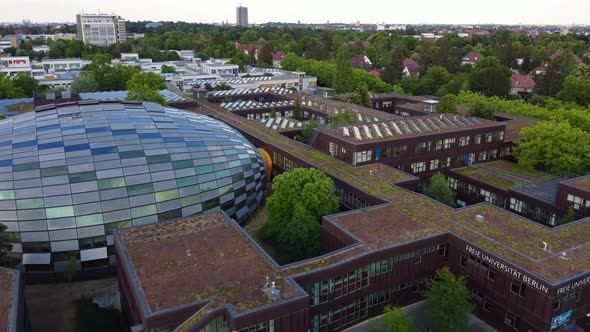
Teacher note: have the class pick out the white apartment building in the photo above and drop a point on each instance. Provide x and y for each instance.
(100, 29)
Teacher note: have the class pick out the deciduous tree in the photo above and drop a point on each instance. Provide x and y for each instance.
(447, 104)
(343, 75)
(361, 95)
(438, 189)
(490, 77)
(85, 82)
(553, 147)
(394, 320)
(448, 302)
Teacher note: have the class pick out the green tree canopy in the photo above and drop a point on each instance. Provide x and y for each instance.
(85, 82)
(438, 189)
(361, 96)
(305, 188)
(394, 320)
(490, 77)
(168, 69)
(146, 80)
(447, 104)
(554, 147)
(482, 109)
(300, 237)
(393, 66)
(307, 132)
(8, 90)
(448, 302)
(343, 75)
(28, 84)
(344, 117)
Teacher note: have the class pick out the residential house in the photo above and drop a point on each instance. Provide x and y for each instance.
(559, 52)
(471, 58)
(252, 50)
(521, 84)
(362, 62)
(277, 57)
(411, 68)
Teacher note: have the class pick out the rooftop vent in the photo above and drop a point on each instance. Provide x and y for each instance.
(546, 247)
(271, 290)
(563, 255)
(479, 218)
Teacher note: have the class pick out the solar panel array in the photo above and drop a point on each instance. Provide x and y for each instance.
(249, 104)
(168, 95)
(281, 123)
(280, 91)
(409, 126)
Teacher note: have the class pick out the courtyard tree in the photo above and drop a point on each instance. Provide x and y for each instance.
(394, 319)
(300, 198)
(145, 86)
(85, 82)
(490, 77)
(361, 96)
(438, 189)
(448, 302)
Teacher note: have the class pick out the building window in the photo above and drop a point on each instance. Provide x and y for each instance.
(418, 167)
(434, 164)
(488, 196)
(576, 201)
(511, 320)
(487, 306)
(363, 156)
(517, 288)
(452, 183)
(333, 149)
(556, 305)
(488, 137)
(491, 275)
(422, 146)
(463, 260)
(516, 205)
(448, 142)
(478, 139)
(464, 141)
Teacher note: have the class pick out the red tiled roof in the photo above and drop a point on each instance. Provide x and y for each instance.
(559, 52)
(376, 72)
(522, 81)
(472, 57)
(278, 56)
(412, 65)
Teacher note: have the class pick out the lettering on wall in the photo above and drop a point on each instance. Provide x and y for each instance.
(515, 273)
(574, 285)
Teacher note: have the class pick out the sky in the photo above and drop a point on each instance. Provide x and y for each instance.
(558, 12)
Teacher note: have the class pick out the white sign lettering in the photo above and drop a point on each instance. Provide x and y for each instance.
(574, 285)
(508, 269)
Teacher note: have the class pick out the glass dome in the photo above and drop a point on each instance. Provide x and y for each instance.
(72, 174)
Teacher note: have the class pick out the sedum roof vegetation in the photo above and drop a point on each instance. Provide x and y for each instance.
(501, 173)
(7, 282)
(413, 215)
(580, 183)
(200, 258)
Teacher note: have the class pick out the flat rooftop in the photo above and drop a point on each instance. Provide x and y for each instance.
(409, 127)
(8, 281)
(515, 123)
(502, 174)
(507, 235)
(582, 183)
(206, 257)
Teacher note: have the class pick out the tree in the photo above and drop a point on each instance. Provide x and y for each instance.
(250, 36)
(297, 111)
(569, 216)
(145, 94)
(361, 95)
(4, 247)
(344, 117)
(273, 113)
(395, 320)
(302, 192)
(435, 78)
(85, 82)
(343, 75)
(553, 147)
(307, 131)
(70, 271)
(223, 86)
(168, 69)
(265, 56)
(438, 189)
(300, 238)
(8, 90)
(393, 66)
(146, 80)
(447, 104)
(482, 110)
(28, 84)
(490, 77)
(448, 301)
(575, 90)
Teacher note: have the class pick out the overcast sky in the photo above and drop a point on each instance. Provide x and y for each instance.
(561, 12)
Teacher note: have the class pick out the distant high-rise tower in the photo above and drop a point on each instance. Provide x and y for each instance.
(100, 29)
(242, 16)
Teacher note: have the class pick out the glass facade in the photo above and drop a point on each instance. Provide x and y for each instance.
(71, 175)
